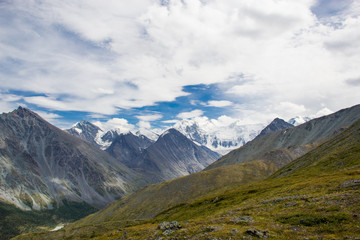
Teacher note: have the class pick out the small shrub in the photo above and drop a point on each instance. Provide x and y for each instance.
(333, 209)
(312, 219)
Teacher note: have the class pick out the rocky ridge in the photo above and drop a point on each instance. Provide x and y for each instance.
(41, 166)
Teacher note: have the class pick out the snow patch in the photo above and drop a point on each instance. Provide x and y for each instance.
(57, 228)
(298, 120)
(78, 130)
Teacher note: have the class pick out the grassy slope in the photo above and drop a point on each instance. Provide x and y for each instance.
(316, 197)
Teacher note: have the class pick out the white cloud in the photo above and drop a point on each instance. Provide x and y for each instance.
(118, 54)
(144, 124)
(222, 103)
(115, 123)
(170, 121)
(145, 120)
(48, 116)
(9, 102)
(322, 112)
(193, 114)
(149, 118)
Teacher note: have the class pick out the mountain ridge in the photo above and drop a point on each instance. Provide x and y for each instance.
(297, 140)
(276, 124)
(43, 165)
(173, 155)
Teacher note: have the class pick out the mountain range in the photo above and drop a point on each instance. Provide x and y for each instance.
(40, 161)
(313, 196)
(45, 168)
(218, 136)
(291, 143)
(171, 156)
(42, 166)
(262, 157)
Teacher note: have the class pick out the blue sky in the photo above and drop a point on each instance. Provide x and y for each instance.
(155, 62)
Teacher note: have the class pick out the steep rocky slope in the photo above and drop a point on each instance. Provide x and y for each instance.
(127, 147)
(294, 142)
(173, 155)
(41, 165)
(86, 131)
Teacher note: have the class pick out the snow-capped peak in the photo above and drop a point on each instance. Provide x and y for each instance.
(218, 135)
(298, 120)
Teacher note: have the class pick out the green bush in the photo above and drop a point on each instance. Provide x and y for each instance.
(312, 219)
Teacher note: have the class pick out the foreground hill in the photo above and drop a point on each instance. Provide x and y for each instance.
(315, 197)
(288, 144)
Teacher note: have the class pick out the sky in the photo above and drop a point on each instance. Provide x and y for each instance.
(150, 63)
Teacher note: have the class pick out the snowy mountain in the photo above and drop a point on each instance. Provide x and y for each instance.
(298, 120)
(95, 135)
(219, 136)
(86, 131)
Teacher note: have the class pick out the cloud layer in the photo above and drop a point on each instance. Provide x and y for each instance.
(268, 57)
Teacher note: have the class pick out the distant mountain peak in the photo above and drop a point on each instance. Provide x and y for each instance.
(171, 131)
(218, 137)
(298, 120)
(22, 112)
(276, 124)
(86, 131)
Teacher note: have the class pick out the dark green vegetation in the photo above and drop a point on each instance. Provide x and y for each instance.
(315, 197)
(14, 221)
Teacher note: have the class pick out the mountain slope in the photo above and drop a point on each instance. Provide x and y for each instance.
(127, 147)
(42, 165)
(153, 199)
(86, 131)
(295, 141)
(275, 125)
(173, 155)
(315, 197)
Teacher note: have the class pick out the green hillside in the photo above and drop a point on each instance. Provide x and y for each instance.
(14, 221)
(315, 197)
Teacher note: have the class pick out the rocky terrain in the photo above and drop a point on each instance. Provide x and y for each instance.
(173, 155)
(41, 166)
(275, 125)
